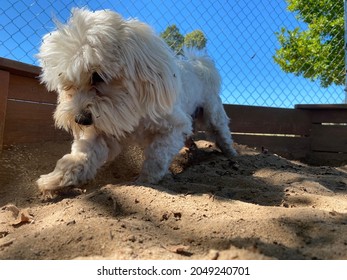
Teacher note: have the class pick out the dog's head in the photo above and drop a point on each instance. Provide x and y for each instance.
(109, 72)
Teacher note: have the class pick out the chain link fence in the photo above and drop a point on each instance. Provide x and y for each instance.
(241, 38)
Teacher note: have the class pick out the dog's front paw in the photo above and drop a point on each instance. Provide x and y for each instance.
(69, 171)
(50, 183)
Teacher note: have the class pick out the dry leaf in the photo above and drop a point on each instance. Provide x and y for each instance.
(3, 234)
(15, 211)
(6, 243)
(23, 217)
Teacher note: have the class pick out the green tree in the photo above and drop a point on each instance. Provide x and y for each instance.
(176, 40)
(195, 39)
(316, 53)
(173, 38)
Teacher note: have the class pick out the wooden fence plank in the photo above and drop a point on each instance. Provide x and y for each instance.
(4, 82)
(19, 68)
(30, 122)
(25, 88)
(329, 116)
(267, 120)
(289, 147)
(326, 113)
(313, 107)
(329, 138)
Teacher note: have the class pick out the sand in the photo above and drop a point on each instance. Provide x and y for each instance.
(257, 206)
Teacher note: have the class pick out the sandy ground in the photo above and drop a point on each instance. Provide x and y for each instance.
(260, 206)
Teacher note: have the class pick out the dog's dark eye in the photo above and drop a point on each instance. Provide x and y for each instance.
(96, 78)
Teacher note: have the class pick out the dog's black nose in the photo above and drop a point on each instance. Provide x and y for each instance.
(84, 118)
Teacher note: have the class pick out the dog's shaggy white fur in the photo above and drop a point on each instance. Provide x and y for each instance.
(118, 82)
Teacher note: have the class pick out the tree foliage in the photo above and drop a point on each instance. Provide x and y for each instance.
(176, 40)
(316, 53)
(195, 39)
(173, 38)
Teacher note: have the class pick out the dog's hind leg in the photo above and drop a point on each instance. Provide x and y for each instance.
(77, 167)
(218, 124)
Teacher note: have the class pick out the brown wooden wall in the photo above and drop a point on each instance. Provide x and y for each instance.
(328, 133)
(314, 133)
(26, 108)
(282, 131)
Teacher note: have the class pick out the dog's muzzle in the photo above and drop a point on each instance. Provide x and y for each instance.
(84, 118)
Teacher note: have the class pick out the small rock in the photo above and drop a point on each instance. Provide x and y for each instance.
(73, 222)
(131, 238)
(179, 249)
(177, 216)
(213, 255)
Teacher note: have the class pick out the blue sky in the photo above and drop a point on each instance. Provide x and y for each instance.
(240, 37)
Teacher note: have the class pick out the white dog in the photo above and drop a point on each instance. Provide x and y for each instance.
(118, 82)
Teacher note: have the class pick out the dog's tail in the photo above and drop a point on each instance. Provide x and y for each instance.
(204, 67)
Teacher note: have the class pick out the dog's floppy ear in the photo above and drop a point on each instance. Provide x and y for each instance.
(154, 70)
(157, 92)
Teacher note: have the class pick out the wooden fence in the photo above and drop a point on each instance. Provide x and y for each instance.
(313, 133)
(26, 107)
(316, 134)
